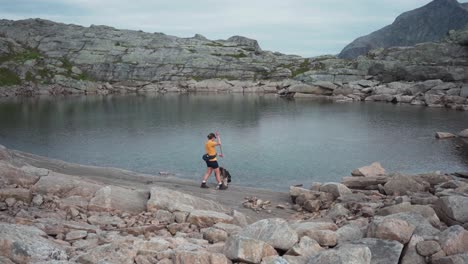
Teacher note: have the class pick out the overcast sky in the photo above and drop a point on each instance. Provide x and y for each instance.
(302, 27)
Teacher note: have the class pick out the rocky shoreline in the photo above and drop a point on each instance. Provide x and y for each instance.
(431, 93)
(56, 212)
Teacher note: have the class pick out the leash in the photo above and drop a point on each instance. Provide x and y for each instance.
(220, 147)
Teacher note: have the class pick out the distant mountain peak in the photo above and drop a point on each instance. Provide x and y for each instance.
(427, 23)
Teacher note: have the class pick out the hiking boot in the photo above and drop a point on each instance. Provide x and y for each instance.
(221, 187)
(203, 185)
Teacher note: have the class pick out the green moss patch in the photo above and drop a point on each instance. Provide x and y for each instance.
(304, 67)
(7, 77)
(21, 57)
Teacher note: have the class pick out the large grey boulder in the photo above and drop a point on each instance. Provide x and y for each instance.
(162, 198)
(244, 249)
(63, 185)
(110, 198)
(402, 185)
(383, 251)
(454, 259)
(337, 189)
(364, 182)
(423, 227)
(454, 240)
(410, 254)
(306, 247)
(453, 209)
(303, 228)
(346, 254)
(275, 232)
(390, 229)
(423, 210)
(428, 248)
(27, 244)
(10, 174)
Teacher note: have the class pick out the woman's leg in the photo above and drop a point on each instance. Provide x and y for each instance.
(217, 174)
(207, 174)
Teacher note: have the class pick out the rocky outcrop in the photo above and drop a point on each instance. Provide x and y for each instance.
(429, 23)
(111, 55)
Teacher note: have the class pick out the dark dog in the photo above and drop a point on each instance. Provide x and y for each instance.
(225, 176)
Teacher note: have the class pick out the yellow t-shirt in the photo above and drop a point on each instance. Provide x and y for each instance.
(210, 148)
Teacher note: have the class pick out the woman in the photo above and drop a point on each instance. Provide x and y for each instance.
(212, 161)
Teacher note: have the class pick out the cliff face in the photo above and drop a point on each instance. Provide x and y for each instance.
(108, 54)
(429, 23)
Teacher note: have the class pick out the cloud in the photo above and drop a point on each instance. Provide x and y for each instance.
(304, 27)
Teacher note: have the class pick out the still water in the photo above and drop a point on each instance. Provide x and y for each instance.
(268, 142)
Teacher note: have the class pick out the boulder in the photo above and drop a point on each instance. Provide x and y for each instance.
(19, 194)
(111, 198)
(310, 89)
(423, 227)
(117, 252)
(428, 248)
(244, 249)
(390, 229)
(454, 259)
(444, 135)
(166, 217)
(410, 254)
(306, 247)
(276, 232)
(464, 133)
(454, 240)
(27, 244)
(190, 257)
(325, 238)
(64, 186)
(382, 251)
(312, 205)
(152, 246)
(423, 210)
(10, 175)
(162, 198)
(337, 210)
(375, 169)
(274, 260)
(453, 209)
(337, 189)
(203, 218)
(214, 235)
(75, 235)
(402, 185)
(369, 182)
(350, 232)
(302, 228)
(346, 254)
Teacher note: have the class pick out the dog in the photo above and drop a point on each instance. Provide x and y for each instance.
(225, 176)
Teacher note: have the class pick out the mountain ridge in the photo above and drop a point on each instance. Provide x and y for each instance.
(429, 23)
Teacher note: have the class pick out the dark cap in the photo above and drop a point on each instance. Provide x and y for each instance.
(211, 136)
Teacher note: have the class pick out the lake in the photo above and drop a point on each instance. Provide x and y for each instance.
(268, 142)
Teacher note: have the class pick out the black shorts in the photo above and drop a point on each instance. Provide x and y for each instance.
(212, 164)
